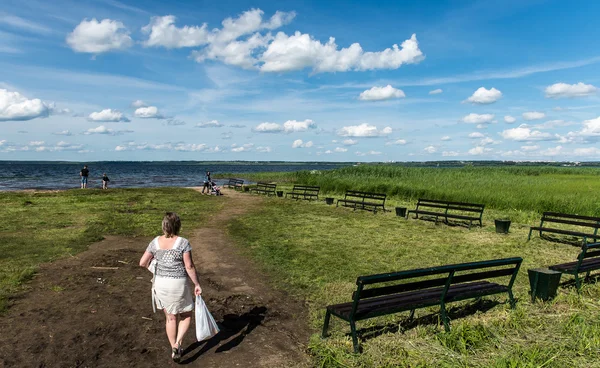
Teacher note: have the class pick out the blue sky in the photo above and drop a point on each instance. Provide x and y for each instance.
(304, 81)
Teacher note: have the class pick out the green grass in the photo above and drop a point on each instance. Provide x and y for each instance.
(510, 188)
(43, 226)
(316, 252)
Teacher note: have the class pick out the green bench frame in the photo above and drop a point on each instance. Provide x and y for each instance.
(364, 200)
(568, 219)
(456, 282)
(442, 209)
(304, 192)
(264, 188)
(236, 184)
(587, 261)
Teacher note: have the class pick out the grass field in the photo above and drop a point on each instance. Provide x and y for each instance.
(316, 252)
(38, 227)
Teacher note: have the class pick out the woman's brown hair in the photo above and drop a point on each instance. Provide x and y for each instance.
(171, 224)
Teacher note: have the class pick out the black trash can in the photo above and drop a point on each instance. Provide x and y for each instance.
(246, 189)
(543, 282)
(502, 226)
(280, 193)
(329, 200)
(401, 211)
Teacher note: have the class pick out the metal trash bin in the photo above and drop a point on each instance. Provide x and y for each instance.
(502, 226)
(401, 211)
(280, 193)
(329, 200)
(543, 282)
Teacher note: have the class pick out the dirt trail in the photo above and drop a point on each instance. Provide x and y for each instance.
(94, 310)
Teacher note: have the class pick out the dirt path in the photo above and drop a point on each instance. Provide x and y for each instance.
(94, 310)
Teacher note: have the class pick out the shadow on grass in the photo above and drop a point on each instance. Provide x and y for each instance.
(232, 325)
(454, 313)
(563, 240)
(444, 222)
(570, 283)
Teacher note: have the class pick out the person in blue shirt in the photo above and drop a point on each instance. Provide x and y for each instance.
(207, 181)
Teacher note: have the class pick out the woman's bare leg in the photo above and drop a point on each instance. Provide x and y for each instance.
(171, 327)
(184, 324)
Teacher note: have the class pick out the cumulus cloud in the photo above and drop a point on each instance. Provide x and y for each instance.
(430, 149)
(530, 148)
(485, 96)
(63, 132)
(263, 149)
(226, 135)
(94, 37)
(364, 130)
(479, 150)
(446, 138)
(436, 91)
(175, 122)
(525, 133)
(289, 126)
(149, 112)
(298, 143)
(591, 127)
(358, 153)
(476, 135)
(209, 124)
(478, 118)
(240, 42)
(533, 115)
(36, 143)
(237, 126)
(589, 152)
(138, 103)
(108, 115)
(168, 146)
(381, 93)
(16, 107)
(509, 119)
(243, 148)
(450, 153)
(104, 130)
(560, 90)
(348, 142)
(340, 149)
(397, 142)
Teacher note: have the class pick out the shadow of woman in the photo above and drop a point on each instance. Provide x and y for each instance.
(232, 325)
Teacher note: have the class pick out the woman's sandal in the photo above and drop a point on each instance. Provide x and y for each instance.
(176, 354)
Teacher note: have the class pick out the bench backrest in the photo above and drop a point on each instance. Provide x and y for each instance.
(266, 186)
(365, 196)
(449, 205)
(306, 189)
(235, 182)
(568, 219)
(427, 278)
(589, 251)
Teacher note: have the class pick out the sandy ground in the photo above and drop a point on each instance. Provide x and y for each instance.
(94, 309)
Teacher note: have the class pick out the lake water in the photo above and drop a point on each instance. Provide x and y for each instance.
(47, 175)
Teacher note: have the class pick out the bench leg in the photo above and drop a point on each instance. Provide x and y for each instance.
(511, 297)
(587, 275)
(326, 324)
(445, 318)
(412, 315)
(354, 337)
(577, 282)
(529, 237)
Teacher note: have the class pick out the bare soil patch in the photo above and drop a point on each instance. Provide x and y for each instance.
(94, 309)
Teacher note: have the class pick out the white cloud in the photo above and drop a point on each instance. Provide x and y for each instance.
(487, 140)
(552, 151)
(63, 132)
(244, 148)
(524, 133)
(530, 148)
(340, 149)
(509, 119)
(36, 143)
(381, 93)
(533, 115)
(104, 130)
(237, 126)
(430, 149)
(560, 90)
(95, 37)
(591, 151)
(358, 153)
(476, 135)
(150, 112)
(301, 51)
(479, 150)
(363, 130)
(591, 127)
(263, 149)
(348, 142)
(485, 96)
(398, 142)
(209, 124)
(450, 153)
(298, 143)
(446, 138)
(478, 118)
(168, 146)
(175, 122)
(138, 103)
(162, 31)
(289, 126)
(108, 115)
(436, 91)
(16, 107)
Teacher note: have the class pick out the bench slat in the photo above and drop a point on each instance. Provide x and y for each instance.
(568, 215)
(565, 232)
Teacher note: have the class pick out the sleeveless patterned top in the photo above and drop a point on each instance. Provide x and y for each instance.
(169, 262)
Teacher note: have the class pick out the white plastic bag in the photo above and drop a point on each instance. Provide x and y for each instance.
(206, 327)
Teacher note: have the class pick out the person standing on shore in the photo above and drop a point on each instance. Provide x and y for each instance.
(84, 173)
(173, 271)
(105, 181)
(207, 181)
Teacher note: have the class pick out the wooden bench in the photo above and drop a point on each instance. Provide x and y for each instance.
(236, 184)
(460, 210)
(363, 200)
(264, 188)
(587, 261)
(304, 192)
(587, 222)
(389, 293)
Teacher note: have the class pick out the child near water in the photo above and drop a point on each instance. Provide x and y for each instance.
(105, 181)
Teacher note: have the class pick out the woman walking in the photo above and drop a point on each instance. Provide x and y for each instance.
(173, 271)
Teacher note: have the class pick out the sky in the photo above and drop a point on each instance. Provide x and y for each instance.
(351, 81)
